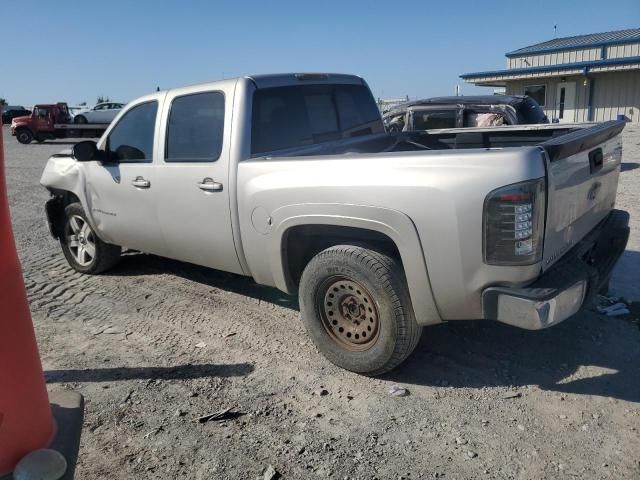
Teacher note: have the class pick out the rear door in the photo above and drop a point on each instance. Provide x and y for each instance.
(193, 206)
(583, 169)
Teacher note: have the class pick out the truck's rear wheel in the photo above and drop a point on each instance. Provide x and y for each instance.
(356, 307)
(24, 136)
(82, 248)
(80, 119)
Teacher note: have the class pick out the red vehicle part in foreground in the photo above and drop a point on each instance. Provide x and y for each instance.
(26, 420)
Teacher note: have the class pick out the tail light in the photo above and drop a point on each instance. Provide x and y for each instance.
(514, 224)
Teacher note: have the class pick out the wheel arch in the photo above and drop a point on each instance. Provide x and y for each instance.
(54, 209)
(20, 128)
(304, 230)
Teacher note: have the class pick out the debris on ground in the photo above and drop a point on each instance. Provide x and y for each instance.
(112, 330)
(224, 414)
(614, 310)
(127, 396)
(200, 345)
(270, 473)
(397, 391)
(155, 431)
(612, 306)
(99, 330)
(511, 395)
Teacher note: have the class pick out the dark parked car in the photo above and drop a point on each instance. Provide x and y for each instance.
(468, 111)
(9, 112)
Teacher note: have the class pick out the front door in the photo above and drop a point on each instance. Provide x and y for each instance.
(43, 118)
(194, 208)
(566, 102)
(121, 191)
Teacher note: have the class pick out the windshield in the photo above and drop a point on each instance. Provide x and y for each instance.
(285, 117)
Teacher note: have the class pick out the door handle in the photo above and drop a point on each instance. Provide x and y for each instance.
(140, 182)
(209, 185)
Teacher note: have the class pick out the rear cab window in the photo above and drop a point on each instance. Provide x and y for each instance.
(295, 116)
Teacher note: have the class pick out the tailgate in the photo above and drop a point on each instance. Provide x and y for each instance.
(583, 169)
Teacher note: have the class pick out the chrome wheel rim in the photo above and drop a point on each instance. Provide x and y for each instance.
(349, 314)
(81, 240)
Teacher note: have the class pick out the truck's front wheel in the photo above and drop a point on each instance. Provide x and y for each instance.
(82, 248)
(24, 136)
(356, 307)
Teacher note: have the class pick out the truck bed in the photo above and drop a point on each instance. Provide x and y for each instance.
(559, 141)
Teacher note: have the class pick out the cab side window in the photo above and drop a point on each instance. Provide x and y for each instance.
(131, 140)
(195, 128)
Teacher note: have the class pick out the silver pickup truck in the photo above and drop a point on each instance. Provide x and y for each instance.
(291, 179)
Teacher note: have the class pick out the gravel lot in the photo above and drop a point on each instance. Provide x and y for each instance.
(486, 400)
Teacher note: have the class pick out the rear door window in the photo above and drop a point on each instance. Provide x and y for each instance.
(195, 128)
(131, 140)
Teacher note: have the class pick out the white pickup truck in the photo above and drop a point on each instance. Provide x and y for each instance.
(290, 179)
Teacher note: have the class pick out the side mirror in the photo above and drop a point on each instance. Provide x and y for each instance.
(85, 151)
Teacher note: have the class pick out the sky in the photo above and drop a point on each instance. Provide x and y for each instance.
(75, 50)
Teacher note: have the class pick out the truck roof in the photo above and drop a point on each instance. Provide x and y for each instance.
(59, 104)
(280, 80)
(284, 79)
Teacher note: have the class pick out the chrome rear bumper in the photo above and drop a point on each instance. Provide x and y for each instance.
(562, 290)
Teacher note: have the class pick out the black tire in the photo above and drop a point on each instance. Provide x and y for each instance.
(394, 334)
(80, 119)
(105, 255)
(24, 136)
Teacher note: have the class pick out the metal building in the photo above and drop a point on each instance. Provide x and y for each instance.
(575, 79)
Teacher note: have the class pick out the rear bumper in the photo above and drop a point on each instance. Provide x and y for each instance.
(563, 289)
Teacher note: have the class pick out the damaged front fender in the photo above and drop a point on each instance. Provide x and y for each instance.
(64, 177)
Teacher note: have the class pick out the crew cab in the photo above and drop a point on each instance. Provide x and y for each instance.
(291, 179)
(466, 111)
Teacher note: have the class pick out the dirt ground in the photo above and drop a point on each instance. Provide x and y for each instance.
(155, 344)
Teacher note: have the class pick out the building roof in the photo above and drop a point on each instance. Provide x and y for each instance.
(581, 41)
(580, 67)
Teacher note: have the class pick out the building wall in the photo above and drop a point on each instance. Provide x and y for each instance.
(555, 58)
(614, 93)
(617, 93)
(623, 50)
